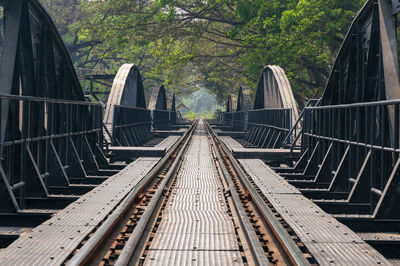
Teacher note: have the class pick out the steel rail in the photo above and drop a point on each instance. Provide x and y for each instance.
(291, 249)
(257, 251)
(139, 232)
(88, 250)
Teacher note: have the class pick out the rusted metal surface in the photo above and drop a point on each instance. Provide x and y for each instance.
(107, 243)
(196, 209)
(328, 240)
(196, 226)
(53, 241)
(277, 242)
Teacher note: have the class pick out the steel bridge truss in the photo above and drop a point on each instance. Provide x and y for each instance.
(162, 112)
(350, 142)
(349, 139)
(50, 137)
(53, 143)
(271, 119)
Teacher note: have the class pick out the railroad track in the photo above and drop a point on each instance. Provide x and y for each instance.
(197, 207)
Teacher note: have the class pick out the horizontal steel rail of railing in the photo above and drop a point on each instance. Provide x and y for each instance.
(43, 143)
(354, 149)
(131, 126)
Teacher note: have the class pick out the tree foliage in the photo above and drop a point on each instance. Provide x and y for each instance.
(215, 44)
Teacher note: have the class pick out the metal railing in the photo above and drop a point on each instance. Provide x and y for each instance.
(235, 120)
(131, 126)
(354, 149)
(161, 119)
(293, 138)
(227, 119)
(267, 128)
(44, 143)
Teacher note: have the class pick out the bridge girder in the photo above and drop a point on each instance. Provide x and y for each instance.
(49, 133)
(244, 101)
(274, 91)
(366, 67)
(127, 90)
(35, 61)
(231, 103)
(158, 99)
(171, 106)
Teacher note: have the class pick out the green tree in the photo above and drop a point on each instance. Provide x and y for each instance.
(215, 44)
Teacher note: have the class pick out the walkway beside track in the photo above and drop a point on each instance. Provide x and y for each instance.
(53, 241)
(196, 227)
(329, 241)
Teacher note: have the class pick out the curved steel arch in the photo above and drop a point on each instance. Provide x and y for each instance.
(244, 102)
(158, 99)
(127, 90)
(171, 106)
(35, 61)
(354, 134)
(34, 52)
(366, 68)
(231, 103)
(274, 91)
(42, 106)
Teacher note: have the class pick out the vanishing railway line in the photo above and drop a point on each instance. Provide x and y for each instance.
(261, 185)
(195, 209)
